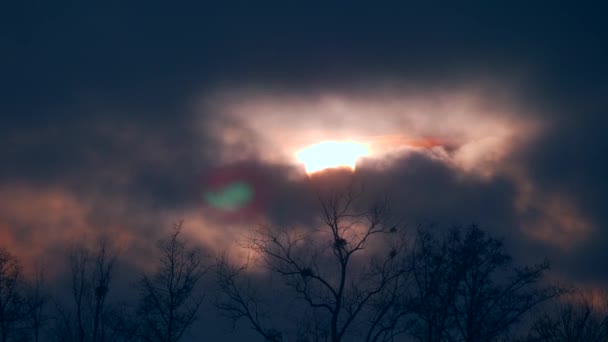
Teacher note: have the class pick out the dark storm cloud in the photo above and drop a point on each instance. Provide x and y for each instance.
(568, 159)
(422, 191)
(145, 159)
(126, 48)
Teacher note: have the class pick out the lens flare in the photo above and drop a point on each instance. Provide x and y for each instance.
(331, 154)
(231, 197)
(234, 192)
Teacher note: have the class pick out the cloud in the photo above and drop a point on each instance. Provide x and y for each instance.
(112, 119)
(38, 223)
(499, 155)
(455, 156)
(470, 121)
(477, 127)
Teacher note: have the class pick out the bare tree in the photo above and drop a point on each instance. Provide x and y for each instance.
(314, 328)
(119, 324)
(16, 306)
(36, 302)
(349, 274)
(240, 299)
(62, 327)
(170, 298)
(437, 273)
(470, 290)
(11, 301)
(102, 275)
(90, 277)
(578, 319)
(79, 259)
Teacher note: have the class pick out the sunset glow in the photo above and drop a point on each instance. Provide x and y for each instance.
(331, 154)
(367, 171)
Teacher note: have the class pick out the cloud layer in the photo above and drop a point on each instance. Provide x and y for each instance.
(113, 117)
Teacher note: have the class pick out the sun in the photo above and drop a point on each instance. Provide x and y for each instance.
(331, 154)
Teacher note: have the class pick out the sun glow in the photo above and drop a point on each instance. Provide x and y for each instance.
(331, 154)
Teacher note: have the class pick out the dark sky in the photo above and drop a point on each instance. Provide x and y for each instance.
(112, 114)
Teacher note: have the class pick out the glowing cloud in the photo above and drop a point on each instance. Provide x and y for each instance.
(470, 129)
(331, 154)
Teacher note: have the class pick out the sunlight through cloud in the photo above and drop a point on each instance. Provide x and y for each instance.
(331, 154)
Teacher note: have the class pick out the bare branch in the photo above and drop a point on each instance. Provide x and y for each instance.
(170, 302)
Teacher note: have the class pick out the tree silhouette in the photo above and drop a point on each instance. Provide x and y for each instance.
(104, 263)
(240, 300)
(436, 280)
(16, 306)
(37, 299)
(577, 320)
(79, 260)
(350, 273)
(170, 301)
(11, 301)
(468, 288)
(90, 280)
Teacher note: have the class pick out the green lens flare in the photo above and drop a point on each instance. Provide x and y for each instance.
(231, 197)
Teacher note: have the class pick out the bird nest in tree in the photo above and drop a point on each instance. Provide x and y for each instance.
(339, 243)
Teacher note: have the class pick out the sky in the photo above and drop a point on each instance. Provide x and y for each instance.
(118, 118)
